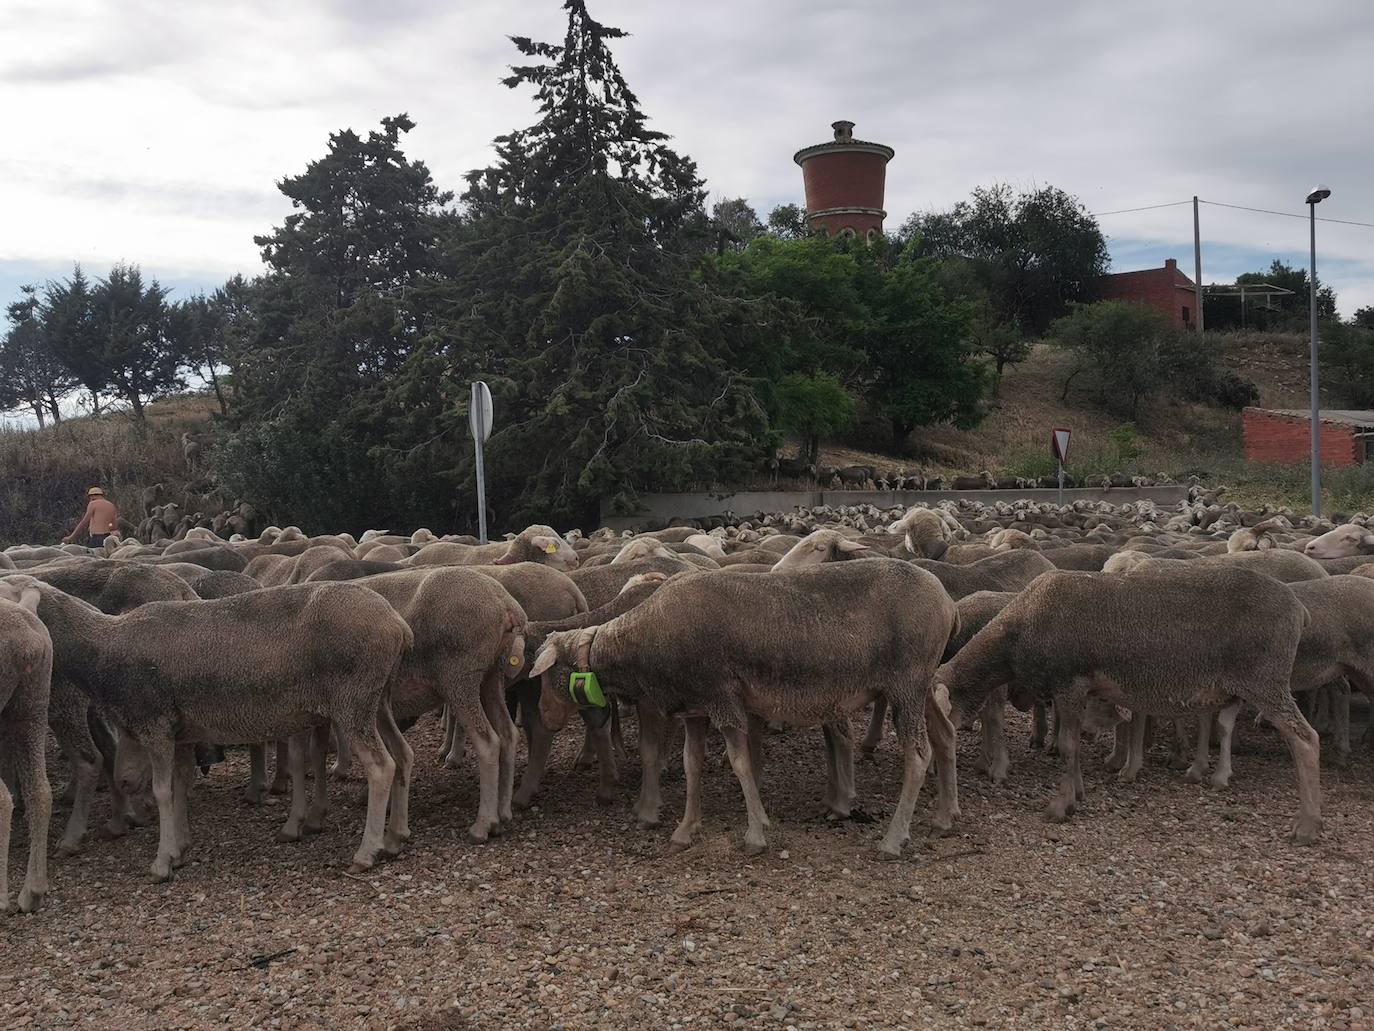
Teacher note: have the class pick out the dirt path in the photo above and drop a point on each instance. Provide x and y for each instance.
(1162, 905)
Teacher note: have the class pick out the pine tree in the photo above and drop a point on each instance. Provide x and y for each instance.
(578, 291)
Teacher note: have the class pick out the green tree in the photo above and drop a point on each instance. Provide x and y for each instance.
(920, 352)
(1347, 354)
(314, 344)
(1127, 352)
(813, 407)
(1223, 311)
(1034, 253)
(788, 222)
(30, 373)
(67, 315)
(577, 289)
(1364, 317)
(736, 223)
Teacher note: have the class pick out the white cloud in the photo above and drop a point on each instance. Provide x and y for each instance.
(154, 132)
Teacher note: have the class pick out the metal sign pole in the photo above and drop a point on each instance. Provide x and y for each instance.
(1061, 484)
(481, 493)
(479, 421)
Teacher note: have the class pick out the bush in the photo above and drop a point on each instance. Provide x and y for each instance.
(1127, 352)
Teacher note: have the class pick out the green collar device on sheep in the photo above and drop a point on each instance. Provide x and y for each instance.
(585, 691)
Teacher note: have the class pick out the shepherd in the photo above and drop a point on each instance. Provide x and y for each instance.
(101, 520)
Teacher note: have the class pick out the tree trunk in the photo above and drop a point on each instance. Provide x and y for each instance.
(901, 429)
(137, 403)
(813, 448)
(37, 407)
(219, 394)
(55, 409)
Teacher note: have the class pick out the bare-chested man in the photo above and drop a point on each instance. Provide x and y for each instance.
(101, 520)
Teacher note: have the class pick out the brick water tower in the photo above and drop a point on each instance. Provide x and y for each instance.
(844, 182)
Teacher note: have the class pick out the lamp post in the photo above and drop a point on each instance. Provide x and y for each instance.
(1315, 197)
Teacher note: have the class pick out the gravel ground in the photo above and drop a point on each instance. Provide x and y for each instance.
(1161, 904)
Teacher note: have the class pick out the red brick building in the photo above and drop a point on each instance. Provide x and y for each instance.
(1283, 435)
(1165, 288)
(845, 180)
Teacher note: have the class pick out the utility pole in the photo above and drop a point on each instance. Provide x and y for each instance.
(1318, 194)
(1197, 264)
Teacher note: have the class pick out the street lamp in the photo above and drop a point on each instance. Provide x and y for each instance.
(1315, 197)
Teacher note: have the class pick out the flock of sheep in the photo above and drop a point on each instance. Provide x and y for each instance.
(144, 659)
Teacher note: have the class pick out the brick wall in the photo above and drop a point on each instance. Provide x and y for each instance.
(1284, 438)
(1165, 288)
(846, 180)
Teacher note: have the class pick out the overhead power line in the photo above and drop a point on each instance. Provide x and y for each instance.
(1147, 207)
(1286, 214)
(1237, 207)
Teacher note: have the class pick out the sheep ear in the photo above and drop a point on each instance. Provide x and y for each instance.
(544, 661)
(548, 545)
(853, 547)
(29, 599)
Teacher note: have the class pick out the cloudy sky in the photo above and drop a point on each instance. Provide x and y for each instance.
(153, 132)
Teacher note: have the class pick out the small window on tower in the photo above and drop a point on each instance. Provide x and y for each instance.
(848, 232)
(1187, 316)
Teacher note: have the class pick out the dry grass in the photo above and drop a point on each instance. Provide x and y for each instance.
(44, 473)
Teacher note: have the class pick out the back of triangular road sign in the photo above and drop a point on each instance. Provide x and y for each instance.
(1059, 444)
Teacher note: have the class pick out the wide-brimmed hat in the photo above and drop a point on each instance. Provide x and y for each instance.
(94, 491)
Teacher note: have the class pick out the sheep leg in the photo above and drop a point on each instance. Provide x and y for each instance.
(1198, 770)
(450, 736)
(72, 730)
(618, 734)
(653, 734)
(488, 748)
(1133, 731)
(256, 790)
(184, 775)
(343, 756)
(1178, 758)
(33, 776)
(295, 817)
(758, 729)
(995, 760)
(839, 763)
(161, 754)
(280, 783)
(1039, 725)
(913, 735)
(365, 742)
(588, 753)
(737, 749)
(1226, 722)
(874, 736)
(1305, 747)
(319, 799)
(608, 777)
(944, 745)
(540, 740)
(499, 717)
(693, 763)
(1121, 746)
(1070, 789)
(1340, 722)
(6, 823)
(398, 829)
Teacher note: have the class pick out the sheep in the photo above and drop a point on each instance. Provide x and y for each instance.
(533, 544)
(113, 588)
(1001, 571)
(252, 667)
(25, 676)
(643, 547)
(769, 658)
(469, 644)
(820, 546)
(707, 544)
(600, 584)
(1343, 541)
(923, 532)
(221, 583)
(1163, 641)
(1259, 537)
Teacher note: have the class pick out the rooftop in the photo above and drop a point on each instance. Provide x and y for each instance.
(1341, 416)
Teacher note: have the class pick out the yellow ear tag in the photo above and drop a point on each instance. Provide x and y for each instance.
(515, 660)
(550, 549)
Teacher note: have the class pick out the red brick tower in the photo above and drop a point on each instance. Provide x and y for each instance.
(844, 184)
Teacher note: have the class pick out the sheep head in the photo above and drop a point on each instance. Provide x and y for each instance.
(563, 653)
(642, 547)
(23, 591)
(820, 546)
(1342, 542)
(925, 533)
(540, 544)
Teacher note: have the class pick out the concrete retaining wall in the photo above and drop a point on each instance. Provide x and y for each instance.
(660, 508)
